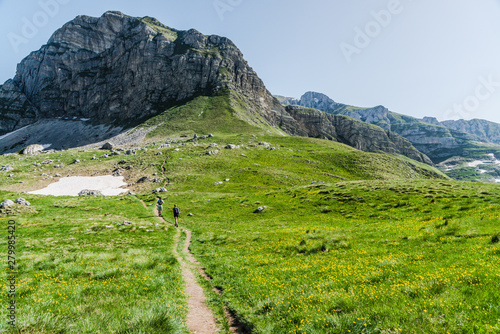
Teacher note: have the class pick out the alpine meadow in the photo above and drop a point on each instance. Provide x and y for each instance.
(296, 216)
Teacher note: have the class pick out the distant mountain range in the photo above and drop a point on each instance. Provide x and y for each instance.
(438, 140)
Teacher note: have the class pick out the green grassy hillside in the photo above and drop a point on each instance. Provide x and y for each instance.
(347, 242)
(223, 114)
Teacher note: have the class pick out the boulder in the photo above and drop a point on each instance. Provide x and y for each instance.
(144, 179)
(259, 209)
(230, 147)
(33, 149)
(6, 203)
(108, 146)
(22, 201)
(87, 192)
(159, 190)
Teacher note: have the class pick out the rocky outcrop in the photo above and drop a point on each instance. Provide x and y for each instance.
(33, 149)
(16, 111)
(352, 132)
(122, 69)
(485, 131)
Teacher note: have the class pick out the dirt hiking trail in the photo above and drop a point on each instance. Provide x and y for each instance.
(200, 319)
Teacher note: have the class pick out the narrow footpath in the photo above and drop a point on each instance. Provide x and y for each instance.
(200, 319)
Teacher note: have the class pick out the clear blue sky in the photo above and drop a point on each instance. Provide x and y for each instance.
(421, 58)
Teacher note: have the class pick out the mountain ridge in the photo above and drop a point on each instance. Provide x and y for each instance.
(438, 140)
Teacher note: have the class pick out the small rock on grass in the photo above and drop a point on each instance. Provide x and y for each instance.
(259, 209)
(22, 201)
(6, 203)
(87, 192)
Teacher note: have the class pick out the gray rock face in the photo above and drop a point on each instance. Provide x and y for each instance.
(485, 131)
(33, 149)
(16, 111)
(314, 100)
(437, 140)
(118, 68)
(352, 132)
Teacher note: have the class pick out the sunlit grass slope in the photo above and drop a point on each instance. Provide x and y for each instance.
(79, 271)
(346, 238)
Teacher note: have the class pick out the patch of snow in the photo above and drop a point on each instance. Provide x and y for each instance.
(70, 186)
(46, 146)
(84, 119)
(475, 163)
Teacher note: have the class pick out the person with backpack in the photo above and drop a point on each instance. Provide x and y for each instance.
(159, 204)
(176, 214)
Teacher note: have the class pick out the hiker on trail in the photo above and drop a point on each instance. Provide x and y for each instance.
(176, 214)
(159, 204)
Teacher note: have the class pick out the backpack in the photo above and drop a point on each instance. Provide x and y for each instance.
(160, 202)
(176, 211)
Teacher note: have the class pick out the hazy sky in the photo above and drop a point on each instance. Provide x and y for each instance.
(416, 57)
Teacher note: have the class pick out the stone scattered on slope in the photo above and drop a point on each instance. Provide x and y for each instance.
(259, 209)
(144, 179)
(6, 203)
(87, 192)
(22, 201)
(108, 146)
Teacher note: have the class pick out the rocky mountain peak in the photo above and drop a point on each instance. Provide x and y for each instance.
(314, 100)
(122, 69)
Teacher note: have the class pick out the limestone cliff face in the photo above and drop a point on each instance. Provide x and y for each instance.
(16, 111)
(352, 132)
(485, 131)
(118, 68)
